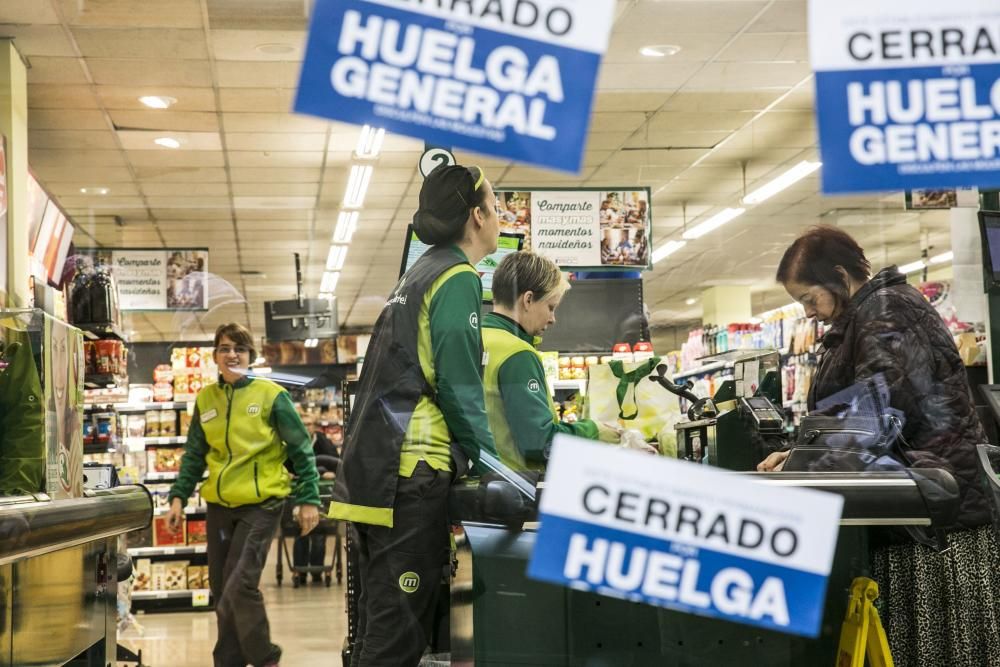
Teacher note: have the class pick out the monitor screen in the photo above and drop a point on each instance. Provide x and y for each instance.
(989, 225)
(596, 314)
(507, 244)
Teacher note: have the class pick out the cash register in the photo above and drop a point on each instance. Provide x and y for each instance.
(741, 424)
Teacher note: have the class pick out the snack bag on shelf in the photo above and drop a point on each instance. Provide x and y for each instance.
(163, 392)
(152, 423)
(620, 393)
(175, 575)
(168, 459)
(163, 536)
(185, 423)
(193, 577)
(168, 423)
(159, 576)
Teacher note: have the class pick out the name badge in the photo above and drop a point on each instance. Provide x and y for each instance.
(209, 416)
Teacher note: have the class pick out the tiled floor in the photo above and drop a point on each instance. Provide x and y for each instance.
(309, 624)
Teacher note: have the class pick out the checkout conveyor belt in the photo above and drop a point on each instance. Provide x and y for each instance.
(58, 574)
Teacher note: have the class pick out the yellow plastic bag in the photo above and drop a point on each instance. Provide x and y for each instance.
(622, 393)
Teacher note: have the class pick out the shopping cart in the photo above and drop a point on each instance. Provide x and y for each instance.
(328, 528)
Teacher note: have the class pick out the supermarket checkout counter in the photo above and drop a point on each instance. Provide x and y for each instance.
(58, 579)
(500, 617)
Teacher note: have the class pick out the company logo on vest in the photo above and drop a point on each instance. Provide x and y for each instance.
(409, 582)
(253, 409)
(533, 386)
(474, 320)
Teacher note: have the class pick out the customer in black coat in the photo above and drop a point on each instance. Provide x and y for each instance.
(940, 607)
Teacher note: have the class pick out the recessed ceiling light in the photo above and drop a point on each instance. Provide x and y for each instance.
(94, 191)
(659, 50)
(274, 49)
(691, 301)
(158, 101)
(167, 142)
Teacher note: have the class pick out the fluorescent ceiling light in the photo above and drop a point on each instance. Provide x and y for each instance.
(335, 259)
(667, 249)
(691, 301)
(167, 142)
(912, 267)
(943, 257)
(370, 142)
(347, 223)
(713, 223)
(659, 50)
(329, 282)
(326, 296)
(357, 185)
(793, 175)
(158, 101)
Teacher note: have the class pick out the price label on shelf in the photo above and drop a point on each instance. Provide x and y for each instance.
(199, 597)
(135, 444)
(200, 549)
(162, 595)
(169, 551)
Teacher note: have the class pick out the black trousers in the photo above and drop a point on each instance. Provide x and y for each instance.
(310, 550)
(238, 541)
(400, 570)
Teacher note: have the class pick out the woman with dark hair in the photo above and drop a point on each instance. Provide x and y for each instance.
(419, 419)
(940, 608)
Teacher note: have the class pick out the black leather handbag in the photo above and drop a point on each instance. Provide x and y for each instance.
(847, 444)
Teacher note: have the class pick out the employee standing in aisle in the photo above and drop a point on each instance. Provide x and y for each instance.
(243, 429)
(938, 607)
(419, 420)
(527, 289)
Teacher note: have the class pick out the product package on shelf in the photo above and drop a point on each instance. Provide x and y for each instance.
(192, 368)
(164, 537)
(143, 575)
(168, 459)
(197, 577)
(185, 423)
(197, 531)
(175, 575)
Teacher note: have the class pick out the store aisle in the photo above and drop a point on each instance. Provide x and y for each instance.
(309, 623)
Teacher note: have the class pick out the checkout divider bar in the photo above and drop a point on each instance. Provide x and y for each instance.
(883, 498)
(29, 529)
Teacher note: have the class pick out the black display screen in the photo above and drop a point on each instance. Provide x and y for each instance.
(989, 226)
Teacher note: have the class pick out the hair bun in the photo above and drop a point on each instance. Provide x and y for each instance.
(444, 205)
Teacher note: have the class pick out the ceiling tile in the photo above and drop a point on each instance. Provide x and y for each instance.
(42, 96)
(37, 40)
(77, 159)
(78, 119)
(275, 159)
(28, 11)
(128, 13)
(190, 141)
(248, 74)
(181, 174)
(178, 190)
(189, 73)
(72, 139)
(182, 121)
(273, 122)
(148, 43)
(260, 141)
(188, 99)
(266, 100)
(175, 158)
(242, 44)
(48, 70)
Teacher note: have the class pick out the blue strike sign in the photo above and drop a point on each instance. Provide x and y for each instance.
(509, 78)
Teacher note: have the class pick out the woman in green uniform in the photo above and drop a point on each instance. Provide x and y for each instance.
(527, 289)
(418, 420)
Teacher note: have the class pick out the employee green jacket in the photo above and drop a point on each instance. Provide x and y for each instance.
(522, 415)
(243, 433)
(22, 428)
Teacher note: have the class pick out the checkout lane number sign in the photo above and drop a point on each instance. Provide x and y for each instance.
(684, 536)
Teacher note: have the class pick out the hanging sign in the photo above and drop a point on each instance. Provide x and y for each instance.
(907, 93)
(510, 78)
(685, 536)
(157, 279)
(585, 228)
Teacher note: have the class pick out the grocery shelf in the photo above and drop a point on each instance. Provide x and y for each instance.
(136, 407)
(98, 331)
(702, 370)
(160, 511)
(162, 595)
(154, 441)
(179, 550)
(163, 477)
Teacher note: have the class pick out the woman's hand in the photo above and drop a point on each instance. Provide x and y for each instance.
(175, 516)
(308, 517)
(774, 462)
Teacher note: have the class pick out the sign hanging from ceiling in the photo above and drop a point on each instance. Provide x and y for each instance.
(510, 78)
(592, 228)
(907, 93)
(157, 279)
(683, 536)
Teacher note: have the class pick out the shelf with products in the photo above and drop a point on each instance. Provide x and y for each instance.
(137, 407)
(137, 552)
(160, 511)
